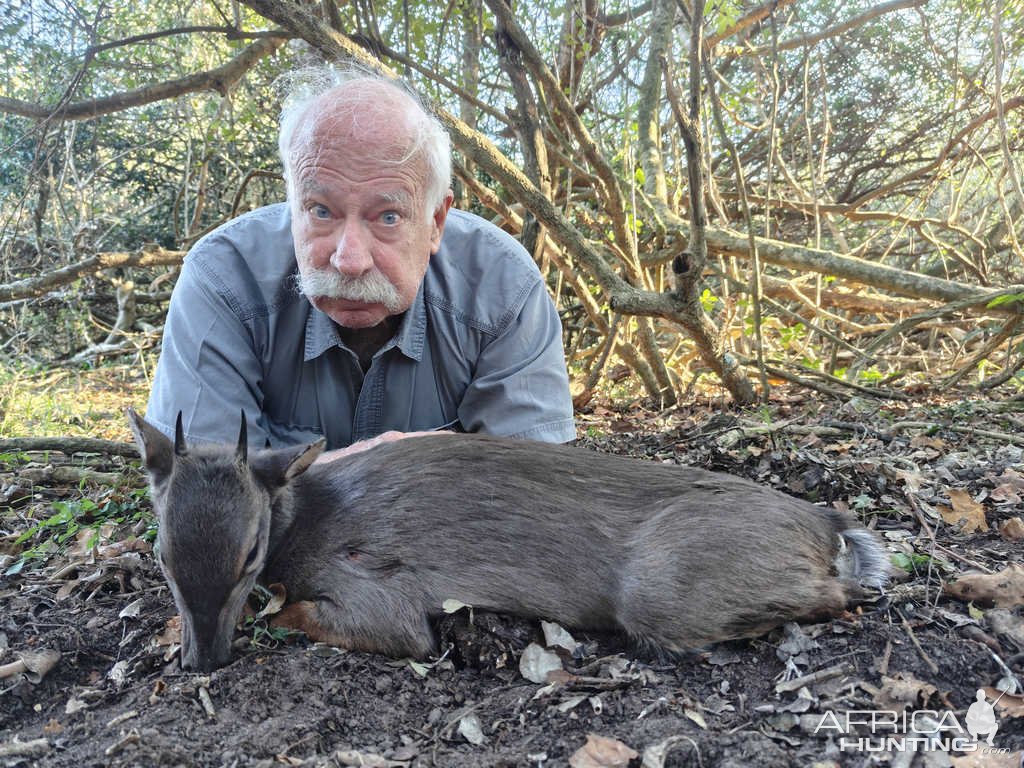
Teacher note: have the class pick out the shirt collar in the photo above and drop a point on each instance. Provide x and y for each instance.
(322, 333)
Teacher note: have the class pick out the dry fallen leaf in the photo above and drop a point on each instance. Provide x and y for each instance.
(171, 634)
(33, 665)
(1004, 589)
(74, 705)
(86, 541)
(655, 755)
(1006, 704)
(471, 730)
(536, 663)
(602, 752)
(903, 691)
(117, 548)
(278, 595)
(556, 635)
(912, 480)
(132, 611)
(966, 512)
(1004, 622)
(1012, 529)
(365, 759)
(928, 441)
(989, 759)
(1009, 486)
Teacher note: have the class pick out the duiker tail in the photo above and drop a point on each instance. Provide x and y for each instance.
(861, 558)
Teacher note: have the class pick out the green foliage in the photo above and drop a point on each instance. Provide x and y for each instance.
(913, 563)
(708, 300)
(1009, 298)
(69, 519)
(261, 634)
(793, 334)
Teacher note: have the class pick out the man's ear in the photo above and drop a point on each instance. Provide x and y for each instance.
(438, 219)
(277, 468)
(156, 450)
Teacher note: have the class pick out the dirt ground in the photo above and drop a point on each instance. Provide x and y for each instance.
(941, 483)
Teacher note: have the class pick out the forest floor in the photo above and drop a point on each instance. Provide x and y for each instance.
(89, 673)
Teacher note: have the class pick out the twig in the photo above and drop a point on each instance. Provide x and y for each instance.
(917, 644)
(132, 737)
(883, 665)
(34, 748)
(1006, 332)
(207, 702)
(973, 431)
(814, 677)
(124, 716)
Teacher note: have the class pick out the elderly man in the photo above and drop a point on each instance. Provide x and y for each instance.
(364, 304)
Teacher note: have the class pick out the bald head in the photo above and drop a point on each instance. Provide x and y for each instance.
(358, 109)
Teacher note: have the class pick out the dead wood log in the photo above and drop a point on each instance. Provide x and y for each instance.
(69, 445)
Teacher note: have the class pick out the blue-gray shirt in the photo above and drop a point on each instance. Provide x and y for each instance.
(480, 348)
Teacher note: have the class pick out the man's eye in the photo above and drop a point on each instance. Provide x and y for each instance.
(390, 218)
(320, 211)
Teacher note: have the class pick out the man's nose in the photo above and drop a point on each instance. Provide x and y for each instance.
(352, 256)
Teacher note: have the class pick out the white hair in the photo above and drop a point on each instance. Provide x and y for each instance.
(427, 137)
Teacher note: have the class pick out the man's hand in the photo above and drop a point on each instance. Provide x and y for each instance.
(373, 442)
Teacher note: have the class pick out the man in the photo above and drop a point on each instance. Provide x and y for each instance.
(364, 304)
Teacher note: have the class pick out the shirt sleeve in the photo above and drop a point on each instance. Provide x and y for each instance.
(208, 368)
(520, 387)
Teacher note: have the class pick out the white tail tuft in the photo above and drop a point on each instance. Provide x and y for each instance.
(862, 558)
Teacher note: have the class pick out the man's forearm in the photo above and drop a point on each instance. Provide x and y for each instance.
(373, 442)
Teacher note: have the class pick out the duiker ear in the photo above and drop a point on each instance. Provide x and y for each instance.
(155, 449)
(276, 468)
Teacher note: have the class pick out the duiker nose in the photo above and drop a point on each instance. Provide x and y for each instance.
(352, 257)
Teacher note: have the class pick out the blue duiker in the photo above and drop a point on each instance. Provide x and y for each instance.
(369, 546)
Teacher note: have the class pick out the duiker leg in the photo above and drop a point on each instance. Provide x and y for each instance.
(714, 566)
(369, 617)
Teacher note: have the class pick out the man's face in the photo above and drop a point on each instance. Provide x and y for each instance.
(359, 222)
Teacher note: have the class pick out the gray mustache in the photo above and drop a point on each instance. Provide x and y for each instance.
(371, 288)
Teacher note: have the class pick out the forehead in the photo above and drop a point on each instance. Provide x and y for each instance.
(370, 119)
(319, 181)
(332, 157)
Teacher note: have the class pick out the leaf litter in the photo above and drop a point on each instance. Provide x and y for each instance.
(946, 504)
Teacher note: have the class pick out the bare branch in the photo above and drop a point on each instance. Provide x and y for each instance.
(220, 79)
(756, 16)
(813, 39)
(148, 256)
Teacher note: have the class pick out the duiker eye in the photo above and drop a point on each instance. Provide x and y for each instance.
(250, 561)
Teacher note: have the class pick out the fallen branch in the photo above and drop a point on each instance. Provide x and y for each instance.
(66, 475)
(69, 445)
(148, 256)
(928, 426)
(34, 748)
